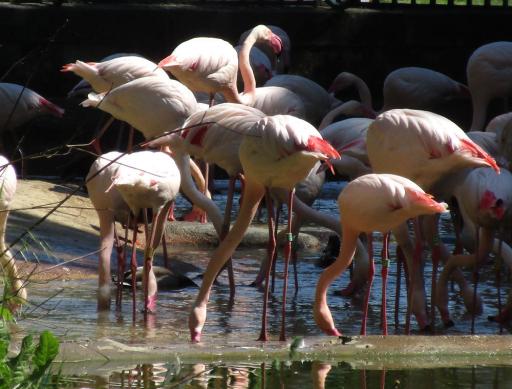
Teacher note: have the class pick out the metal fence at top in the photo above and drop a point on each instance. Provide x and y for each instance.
(417, 4)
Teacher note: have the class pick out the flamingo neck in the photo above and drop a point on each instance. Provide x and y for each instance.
(246, 72)
(365, 96)
(479, 113)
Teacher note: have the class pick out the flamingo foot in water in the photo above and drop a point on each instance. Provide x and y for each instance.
(151, 304)
(195, 215)
(504, 317)
(196, 322)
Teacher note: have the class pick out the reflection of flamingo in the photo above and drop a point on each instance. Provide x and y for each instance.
(16, 292)
(423, 147)
(210, 64)
(373, 202)
(489, 74)
(136, 181)
(277, 152)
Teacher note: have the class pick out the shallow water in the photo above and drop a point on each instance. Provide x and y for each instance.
(296, 374)
(68, 308)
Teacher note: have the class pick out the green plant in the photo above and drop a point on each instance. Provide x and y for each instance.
(28, 369)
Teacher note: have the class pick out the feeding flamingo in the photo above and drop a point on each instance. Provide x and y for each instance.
(423, 147)
(484, 199)
(277, 152)
(118, 184)
(373, 202)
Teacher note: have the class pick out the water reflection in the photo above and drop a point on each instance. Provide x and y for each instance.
(296, 374)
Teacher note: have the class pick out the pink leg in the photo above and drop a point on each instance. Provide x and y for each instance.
(475, 279)
(412, 275)
(287, 252)
(206, 174)
(371, 272)
(225, 229)
(274, 260)
(121, 264)
(436, 256)
(95, 143)
(399, 261)
(171, 216)
(270, 254)
(133, 264)
(384, 273)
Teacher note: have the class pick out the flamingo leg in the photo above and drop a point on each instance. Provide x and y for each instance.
(413, 274)
(95, 143)
(253, 194)
(436, 256)
(271, 248)
(225, 229)
(276, 230)
(475, 279)
(287, 253)
(384, 273)
(107, 228)
(133, 266)
(399, 262)
(371, 272)
(206, 174)
(121, 264)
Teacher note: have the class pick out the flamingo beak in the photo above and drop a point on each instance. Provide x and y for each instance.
(276, 43)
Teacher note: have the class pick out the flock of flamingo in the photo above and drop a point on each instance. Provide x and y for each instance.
(404, 163)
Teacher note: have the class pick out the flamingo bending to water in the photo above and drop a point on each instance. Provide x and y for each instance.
(277, 152)
(373, 202)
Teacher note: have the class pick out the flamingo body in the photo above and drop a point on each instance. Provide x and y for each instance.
(152, 105)
(18, 105)
(109, 74)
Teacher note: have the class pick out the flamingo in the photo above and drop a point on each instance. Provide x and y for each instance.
(317, 101)
(120, 183)
(485, 202)
(280, 64)
(20, 104)
(373, 202)
(260, 65)
(408, 87)
(489, 74)
(423, 147)
(110, 73)
(16, 293)
(277, 152)
(210, 64)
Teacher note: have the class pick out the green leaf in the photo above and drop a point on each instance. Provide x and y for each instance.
(46, 351)
(20, 364)
(5, 339)
(5, 376)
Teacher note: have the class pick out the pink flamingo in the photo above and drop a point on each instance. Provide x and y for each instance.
(489, 76)
(277, 152)
(423, 147)
(317, 101)
(373, 202)
(108, 74)
(120, 183)
(16, 293)
(408, 87)
(20, 105)
(210, 64)
(484, 199)
(280, 64)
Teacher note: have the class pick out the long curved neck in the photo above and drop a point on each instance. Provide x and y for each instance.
(365, 96)
(244, 64)
(251, 198)
(196, 197)
(479, 112)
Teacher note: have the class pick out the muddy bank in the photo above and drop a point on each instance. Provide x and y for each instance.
(63, 226)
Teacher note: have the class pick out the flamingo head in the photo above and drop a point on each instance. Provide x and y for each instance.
(275, 43)
(342, 81)
(492, 205)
